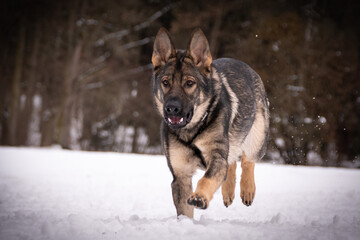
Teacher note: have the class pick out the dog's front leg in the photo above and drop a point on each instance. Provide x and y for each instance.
(182, 168)
(209, 183)
(181, 189)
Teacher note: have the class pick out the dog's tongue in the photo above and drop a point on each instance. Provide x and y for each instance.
(176, 120)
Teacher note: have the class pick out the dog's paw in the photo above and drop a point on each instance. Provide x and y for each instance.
(228, 200)
(198, 201)
(247, 192)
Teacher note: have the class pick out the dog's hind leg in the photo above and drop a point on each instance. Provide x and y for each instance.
(228, 187)
(247, 182)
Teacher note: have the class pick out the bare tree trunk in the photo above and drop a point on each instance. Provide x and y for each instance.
(26, 111)
(135, 147)
(51, 108)
(71, 70)
(68, 101)
(15, 91)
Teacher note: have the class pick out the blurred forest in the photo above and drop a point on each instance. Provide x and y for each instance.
(76, 73)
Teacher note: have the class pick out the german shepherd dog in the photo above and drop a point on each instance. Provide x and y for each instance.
(215, 112)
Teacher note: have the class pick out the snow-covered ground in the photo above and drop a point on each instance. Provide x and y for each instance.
(59, 194)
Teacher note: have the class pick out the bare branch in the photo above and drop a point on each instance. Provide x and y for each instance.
(122, 33)
(136, 43)
(133, 71)
(153, 17)
(119, 35)
(136, 70)
(91, 71)
(102, 123)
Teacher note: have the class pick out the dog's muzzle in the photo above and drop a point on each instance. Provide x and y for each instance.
(174, 115)
(179, 121)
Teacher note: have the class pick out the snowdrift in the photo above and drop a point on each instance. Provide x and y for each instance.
(59, 194)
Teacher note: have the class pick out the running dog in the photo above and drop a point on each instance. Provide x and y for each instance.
(215, 112)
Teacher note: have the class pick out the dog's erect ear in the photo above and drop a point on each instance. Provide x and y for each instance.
(199, 50)
(163, 48)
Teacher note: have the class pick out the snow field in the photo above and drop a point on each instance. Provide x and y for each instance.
(59, 194)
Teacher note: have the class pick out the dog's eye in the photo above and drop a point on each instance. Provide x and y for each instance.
(165, 82)
(189, 83)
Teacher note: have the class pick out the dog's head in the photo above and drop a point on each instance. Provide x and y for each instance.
(181, 79)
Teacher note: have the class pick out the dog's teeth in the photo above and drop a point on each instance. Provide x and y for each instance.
(169, 119)
(181, 120)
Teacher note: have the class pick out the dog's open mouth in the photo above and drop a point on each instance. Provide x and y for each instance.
(179, 121)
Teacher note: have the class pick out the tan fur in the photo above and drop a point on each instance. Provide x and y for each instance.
(207, 144)
(228, 187)
(199, 112)
(207, 141)
(159, 105)
(156, 61)
(181, 159)
(253, 140)
(184, 166)
(233, 98)
(247, 182)
(205, 190)
(182, 207)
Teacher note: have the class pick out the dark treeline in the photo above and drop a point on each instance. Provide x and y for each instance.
(77, 73)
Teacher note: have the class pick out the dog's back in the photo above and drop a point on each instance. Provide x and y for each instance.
(249, 121)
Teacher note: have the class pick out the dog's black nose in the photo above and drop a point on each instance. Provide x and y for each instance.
(173, 107)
